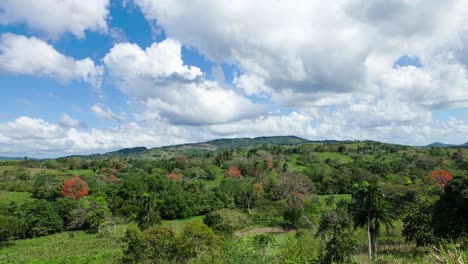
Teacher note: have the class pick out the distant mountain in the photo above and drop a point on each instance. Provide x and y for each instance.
(126, 151)
(229, 143)
(440, 144)
(258, 141)
(437, 144)
(118, 153)
(213, 145)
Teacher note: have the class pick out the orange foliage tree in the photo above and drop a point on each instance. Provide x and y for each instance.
(173, 177)
(75, 188)
(233, 172)
(440, 177)
(113, 179)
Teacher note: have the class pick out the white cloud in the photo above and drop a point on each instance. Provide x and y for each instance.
(292, 124)
(335, 61)
(327, 50)
(26, 127)
(105, 112)
(159, 82)
(55, 17)
(68, 122)
(39, 138)
(31, 56)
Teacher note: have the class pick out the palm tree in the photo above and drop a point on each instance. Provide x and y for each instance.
(370, 209)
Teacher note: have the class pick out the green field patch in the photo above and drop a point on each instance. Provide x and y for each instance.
(17, 197)
(293, 163)
(219, 177)
(31, 171)
(323, 156)
(67, 247)
(178, 224)
(81, 172)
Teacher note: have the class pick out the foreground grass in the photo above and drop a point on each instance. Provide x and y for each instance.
(18, 197)
(67, 247)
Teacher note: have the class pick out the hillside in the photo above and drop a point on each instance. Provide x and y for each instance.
(201, 147)
(252, 195)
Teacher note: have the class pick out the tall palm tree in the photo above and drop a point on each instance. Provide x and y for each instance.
(370, 209)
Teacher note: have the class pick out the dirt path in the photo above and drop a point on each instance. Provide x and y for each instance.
(262, 230)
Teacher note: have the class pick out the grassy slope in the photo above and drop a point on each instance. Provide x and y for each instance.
(178, 224)
(79, 247)
(18, 197)
(322, 156)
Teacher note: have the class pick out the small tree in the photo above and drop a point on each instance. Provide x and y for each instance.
(199, 241)
(173, 177)
(440, 177)
(74, 188)
(233, 172)
(340, 242)
(370, 209)
(417, 223)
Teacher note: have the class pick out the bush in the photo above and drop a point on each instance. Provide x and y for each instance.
(417, 223)
(10, 228)
(41, 218)
(226, 221)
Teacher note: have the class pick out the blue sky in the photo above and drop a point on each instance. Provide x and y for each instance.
(102, 75)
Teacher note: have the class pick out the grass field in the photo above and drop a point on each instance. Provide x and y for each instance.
(322, 156)
(81, 172)
(293, 163)
(178, 224)
(69, 247)
(31, 171)
(18, 197)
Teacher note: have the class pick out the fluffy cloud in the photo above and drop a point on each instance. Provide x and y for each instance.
(157, 80)
(322, 49)
(39, 138)
(105, 112)
(55, 17)
(31, 56)
(68, 122)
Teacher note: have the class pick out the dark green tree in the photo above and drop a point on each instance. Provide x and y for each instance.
(41, 218)
(418, 223)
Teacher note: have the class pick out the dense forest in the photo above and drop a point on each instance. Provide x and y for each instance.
(263, 200)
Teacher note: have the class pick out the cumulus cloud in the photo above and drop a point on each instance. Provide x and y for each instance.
(68, 122)
(31, 56)
(39, 138)
(55, 17)
(318, 48)
(105, 112)
(157, 79)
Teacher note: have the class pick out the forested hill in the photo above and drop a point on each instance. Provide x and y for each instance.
(213, 145)
(229, 143)
(440, 144)
(237, 193)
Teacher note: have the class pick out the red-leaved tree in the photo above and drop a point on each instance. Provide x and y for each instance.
(173, 177)
(440, 177)
(233, 172)
(75, 188)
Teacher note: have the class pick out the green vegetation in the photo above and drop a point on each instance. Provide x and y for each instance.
(17, 197)
(263, 200)
(66, 247)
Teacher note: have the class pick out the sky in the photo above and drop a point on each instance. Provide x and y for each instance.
(82, 77)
